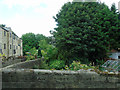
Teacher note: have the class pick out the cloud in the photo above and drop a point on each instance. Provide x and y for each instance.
(110, 2)
(31, 3)
(25, 3)
(21, 24)
(36, 17)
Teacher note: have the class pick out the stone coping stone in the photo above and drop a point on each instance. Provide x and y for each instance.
(12, 68)
(7, 70)
(20, 63)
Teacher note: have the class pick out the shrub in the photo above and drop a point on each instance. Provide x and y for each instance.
(30, 57)
(33, 52)
(3, 56)
(43, 65)
(100, 62)
(50, 53)
(36, 67)
(57, 64)
(76, 65)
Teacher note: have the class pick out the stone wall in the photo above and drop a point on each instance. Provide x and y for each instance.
(18, 76)
(25, 65)
(10, 62)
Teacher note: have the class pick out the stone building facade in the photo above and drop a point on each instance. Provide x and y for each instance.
(10, 43)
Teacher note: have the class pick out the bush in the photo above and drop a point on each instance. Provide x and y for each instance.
(3, 56)
(43, 65)
(33, 52)
(76, 65)
(100, 62)
(30, 57)
(50, 53)
(57, 64)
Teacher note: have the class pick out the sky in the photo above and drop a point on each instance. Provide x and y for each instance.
(36, 16)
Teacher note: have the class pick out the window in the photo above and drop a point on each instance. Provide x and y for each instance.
(118, 57)
(10, 35)
(14, 51)
(4, 46)
(1, 51)
(10, 46)
(13, 36)
(4, 33)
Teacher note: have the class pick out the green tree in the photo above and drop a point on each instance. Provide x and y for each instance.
(29, 42)
(113, 8)
(114, 30)
(107, 21)
(49, 52)
(78, 36)
(38, 38)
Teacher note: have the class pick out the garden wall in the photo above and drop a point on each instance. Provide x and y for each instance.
(25, 65)
(38, 78)
(10, 62)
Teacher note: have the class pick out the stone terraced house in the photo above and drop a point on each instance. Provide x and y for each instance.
(10, 43)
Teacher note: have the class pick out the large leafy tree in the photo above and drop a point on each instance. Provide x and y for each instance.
(107, 21)
(30, 40)
(84, 31)
(114, 30)
(40, 37)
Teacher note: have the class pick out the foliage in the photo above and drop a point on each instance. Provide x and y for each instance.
(84, 31)
(101, 68)
(43, 65)
(49, 52)
(30, 40)
(40, 37)
(100, 62)
(51, 40)
(43, 44)
(107, 21)
(3, 56)
(33, 52)
(30, 57)
(57, 64)
(76, 65)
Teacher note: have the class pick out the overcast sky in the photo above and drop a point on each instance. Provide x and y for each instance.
(35, 16)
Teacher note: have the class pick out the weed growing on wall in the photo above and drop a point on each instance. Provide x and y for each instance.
(76, 65)
(57, 64)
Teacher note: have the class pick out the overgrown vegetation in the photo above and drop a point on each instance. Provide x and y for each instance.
(43, 65)
(76, 65)
(85, 33)
(3, 57)
(31, 40)
(57, 64)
